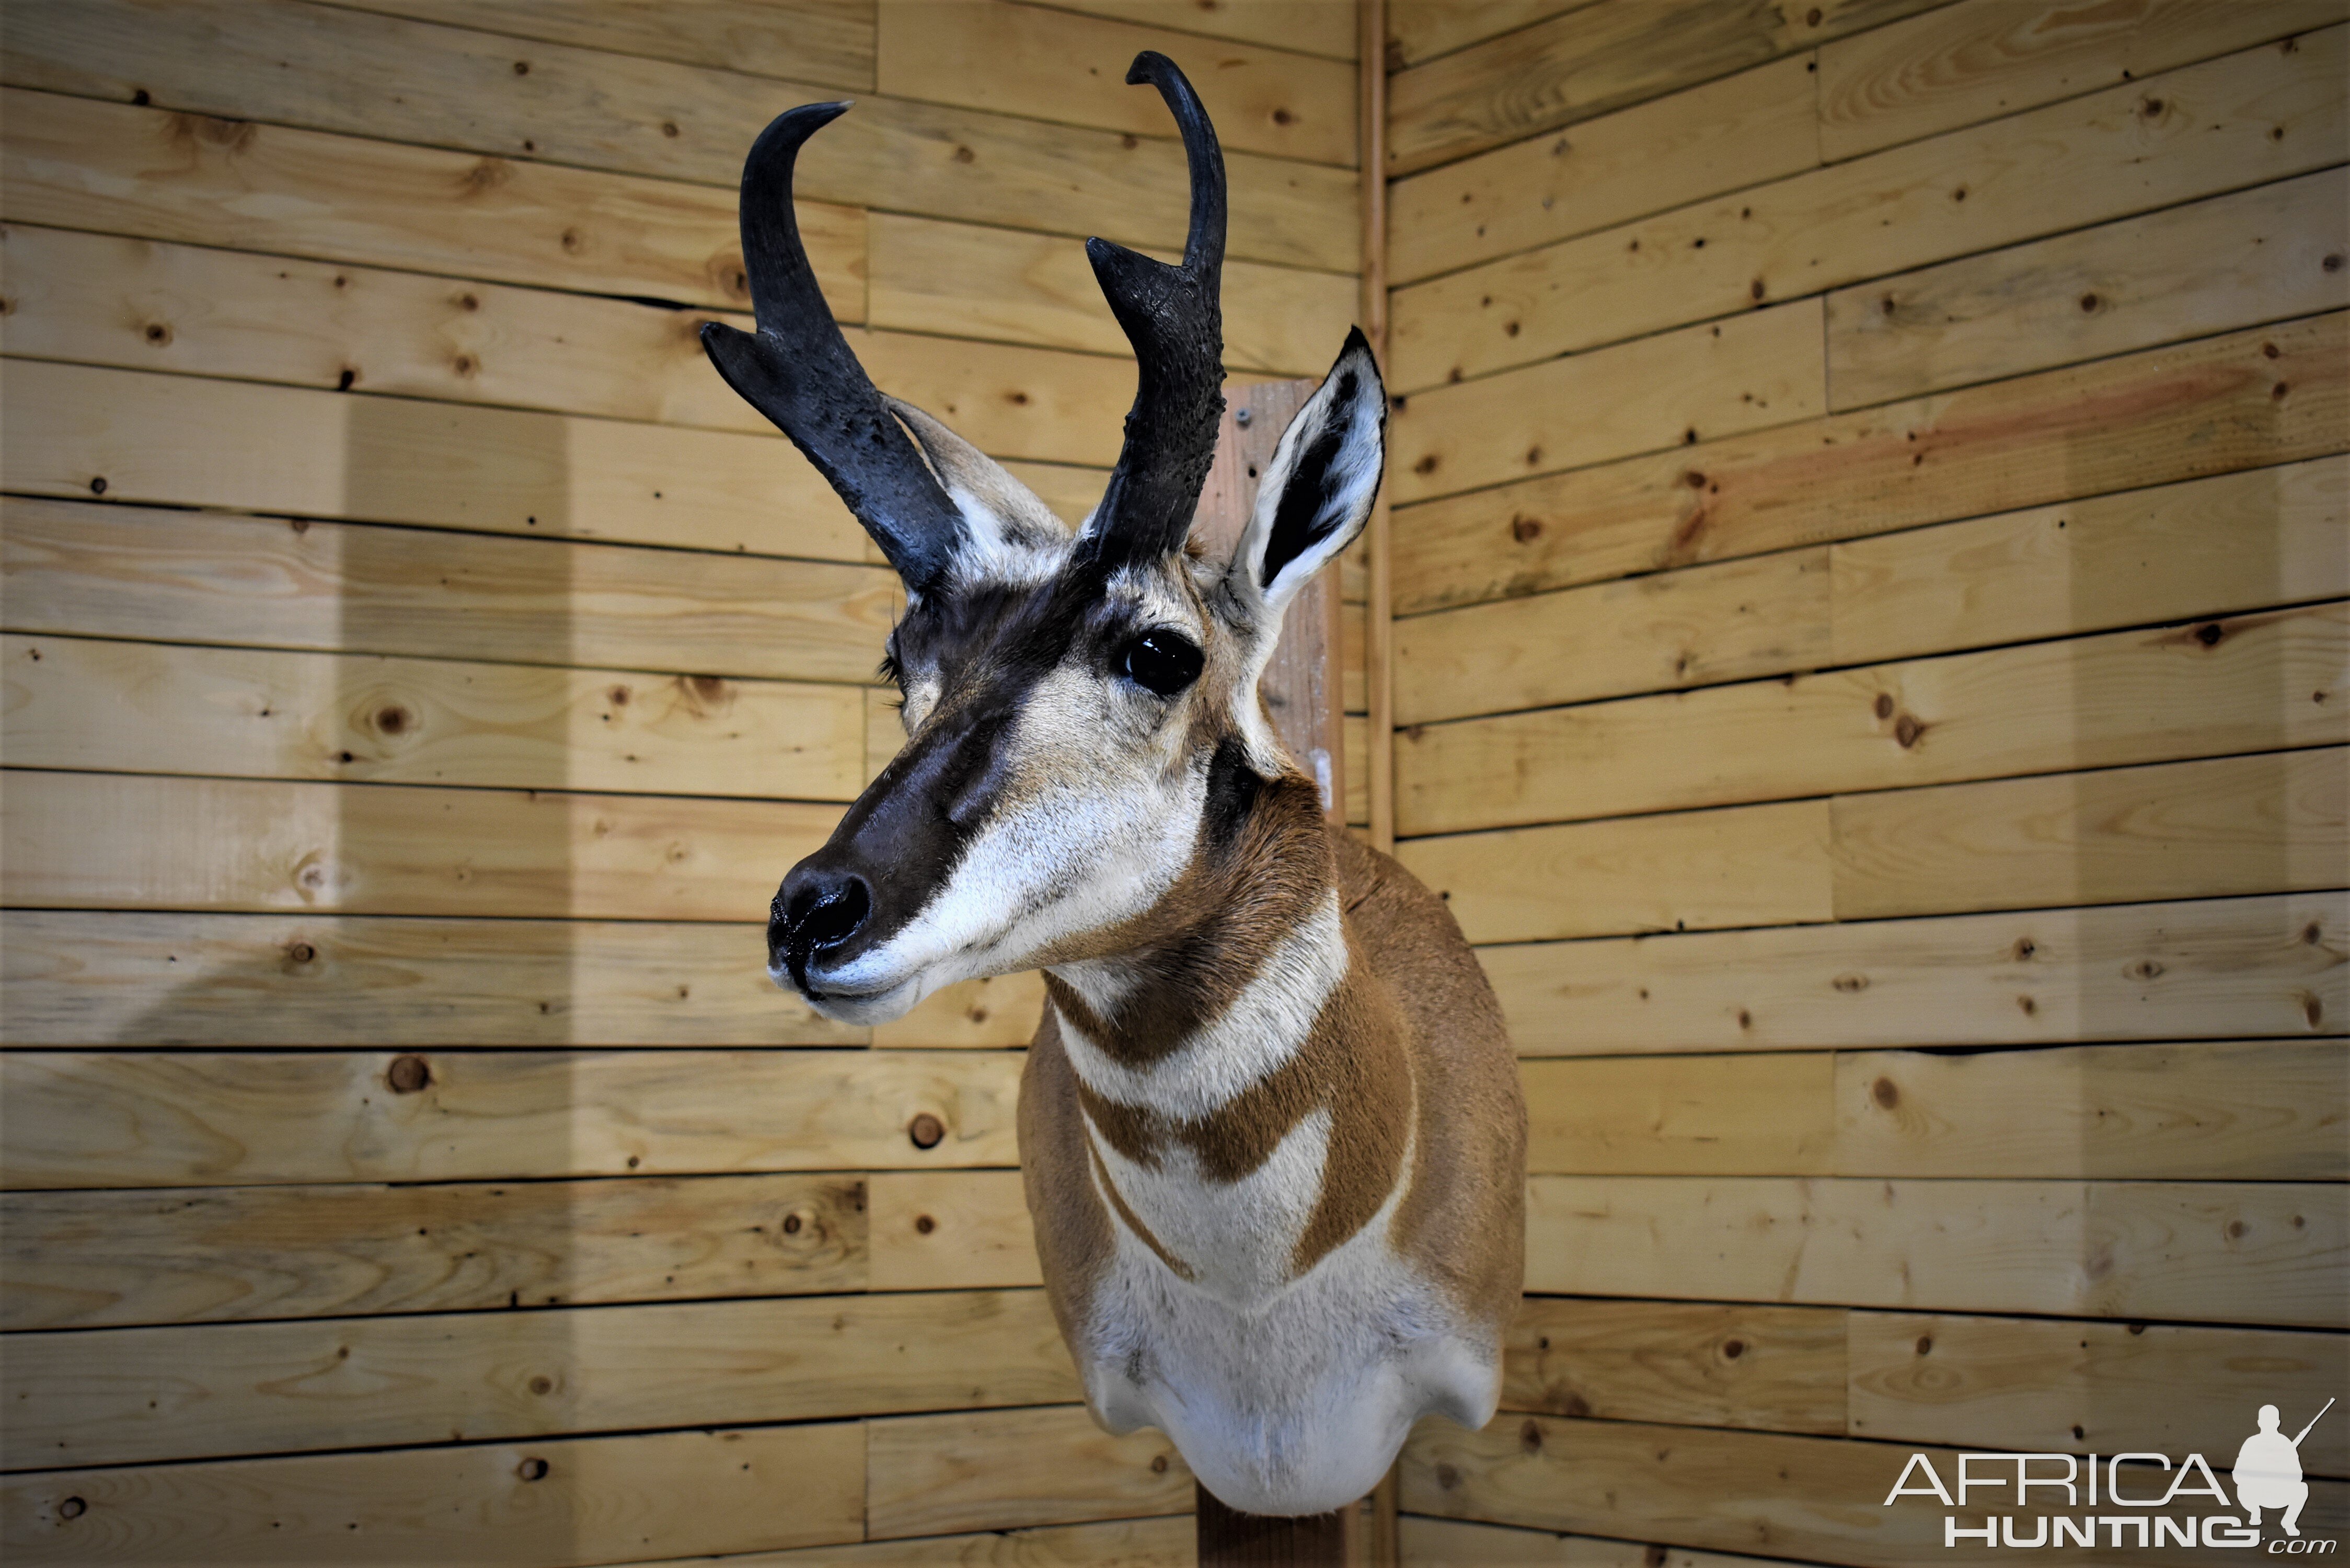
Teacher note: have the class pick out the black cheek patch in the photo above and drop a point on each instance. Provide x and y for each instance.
(1232, 791)
(1307, 514)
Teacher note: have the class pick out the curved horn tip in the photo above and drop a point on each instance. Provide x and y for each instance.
(1147, 66)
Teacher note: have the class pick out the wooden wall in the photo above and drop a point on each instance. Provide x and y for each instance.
(1874, 596)
(421, 670)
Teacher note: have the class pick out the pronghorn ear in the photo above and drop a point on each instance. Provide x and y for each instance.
(1318, 490)
(1009, 534)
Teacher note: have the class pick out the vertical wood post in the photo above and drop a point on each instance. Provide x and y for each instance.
(1379, 630)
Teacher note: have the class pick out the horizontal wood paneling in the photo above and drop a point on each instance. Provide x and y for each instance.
(2055, 1386)
(1462, 1544)
(928, 1475)
(1774, 1115)
(1741, 131)
(1687, 1363)
(2218, 966)
(935, 1230)
(1306, 27)
(2147, 419)
(1591, 60)
(74, 702)
(87, 569)
(2085, 161)
(2251, 683)
(1072, 68)
(825, 42)
(1162, 1542)
(125, 1396)
(1669, 391)
(1418, 30)
(1978, 60)
(1747, 866)
(2246, 1252)
(99, 1259)
(185, 1120)
(2228, 826)
(2264, 254)
(554, 1502)
(81, 977)
(1002, 1009)
(343, 71)
(136, 841)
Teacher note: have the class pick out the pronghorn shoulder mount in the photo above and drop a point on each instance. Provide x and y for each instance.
(1271, 1127)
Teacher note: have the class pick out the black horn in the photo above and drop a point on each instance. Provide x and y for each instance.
(1174, 318)
(798, 369)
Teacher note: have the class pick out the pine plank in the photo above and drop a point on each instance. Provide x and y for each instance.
(211, 1120)
(1303, 26)
(1464, 1543)
(105, 1259)
(1071, 68)
(964, 1230)
(2278, 822)
(825, 43)
(928, 1475)
(1695, 627)
(2054, 1387)
(138, 572)
(1755, 1114)
(1745, 129)
(1592, 59)
(1041, 404)
(971, 1014)
(1976, 61)
(76, 162)
(1163, 1542)
(1748, 866)
(2249, 1252)
(1692, 1364)
(141, 842)
(966, 280)
(126, 707)
(81, 977)
(2277, 964)
(139, 1395)
(2147, 419)
(2253, 1111)
(1674, 389)
(2085, 161)
(1812, 1499)
(2262, 255)
(371, 81)
(2250, 683)
(1420, 30)
(559, 1503)
(2222, 546)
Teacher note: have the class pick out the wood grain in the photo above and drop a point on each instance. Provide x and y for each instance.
(1418, 30)
(2265, 1111)
(2228, 826)
(138, 572)
(1674, 389)
(1687, 1116)
(191, 1120)
(2244, 684)
(828, 43)
(1744, 129)
(1461, 1543)
(2210, 267)
(1685, 1362)
(2089, 159)
(81, 703)
(964, 1230)
(1978, 60)
(2055, 1386)
(564, 1503)
(1302, 27)
(928, 1475)
(971, 1014)
(108, 977)
(1747, 866)
(131, 841)
(78, 163)
(2213, 967)
(135, 1396)
(2248, 1252)
(1072, 68)
(1162, 1543)
(2147, 419)
(103, 1260)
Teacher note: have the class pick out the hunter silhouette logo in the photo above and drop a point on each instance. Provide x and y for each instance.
(2268, 1471)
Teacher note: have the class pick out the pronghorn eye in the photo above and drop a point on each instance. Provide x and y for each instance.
(1160, 662)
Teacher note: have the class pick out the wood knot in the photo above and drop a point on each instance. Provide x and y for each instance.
(1159, 1464)
(965, 155)
(574, 242)
(542, 1384)
(531, 1468)
(1448, 1478)
(1524, 530)
(408, 1073)
(1906, 730)
(301, 952)
(522, 67)
(2236, 1229)
(72, 1508)
(1885, 1093)
(1732, 1349)
(158, 333)
(1850, 984)
(1884, 705)
(2210, 633)
(1529, 1436)
(792, 1223)
(1426, 465)
(926, 1130)
(2025, 947)
(2089, 303)
(1924, 1345)
(98, 485)
(2147, 969)
(393, 719)
(669, 128)
(345, 378)
(1812, 17)
(924, 1224)
(1283, 117)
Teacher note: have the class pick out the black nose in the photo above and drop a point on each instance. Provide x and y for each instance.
(817, 910)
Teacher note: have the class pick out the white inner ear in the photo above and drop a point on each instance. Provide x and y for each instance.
(1010, 534)
(1346, 481)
